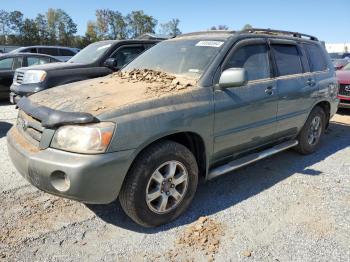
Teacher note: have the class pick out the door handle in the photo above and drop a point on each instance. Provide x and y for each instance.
(311, 82)
(269, 90)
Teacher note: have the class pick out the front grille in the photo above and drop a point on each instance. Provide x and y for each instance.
(344, 90)
(30, 127)
(342, 101)
(19, 77)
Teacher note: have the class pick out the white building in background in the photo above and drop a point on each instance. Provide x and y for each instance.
(338, 48)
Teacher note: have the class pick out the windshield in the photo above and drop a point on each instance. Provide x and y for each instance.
(184, 57)
(90, 53)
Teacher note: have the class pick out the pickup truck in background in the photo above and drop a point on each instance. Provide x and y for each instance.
(95, 60)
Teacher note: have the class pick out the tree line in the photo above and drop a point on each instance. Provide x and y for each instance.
(56, 27)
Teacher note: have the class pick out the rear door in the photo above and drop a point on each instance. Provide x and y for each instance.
(295, 86)
(320, 74)
(245, 116)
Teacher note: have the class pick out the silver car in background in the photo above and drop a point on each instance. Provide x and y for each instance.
(61, 53)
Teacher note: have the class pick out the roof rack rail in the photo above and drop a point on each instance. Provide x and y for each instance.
(278, 32)
(210, 32)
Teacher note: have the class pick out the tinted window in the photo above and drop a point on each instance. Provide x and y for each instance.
(49, 51)
(29, 50)
(6, 63)
(317, 60)
(254, 59)
(37, 60)
(287, 59)
(126, 54)
(66, 52)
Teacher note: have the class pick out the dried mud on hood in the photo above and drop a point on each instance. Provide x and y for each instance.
(113, 91)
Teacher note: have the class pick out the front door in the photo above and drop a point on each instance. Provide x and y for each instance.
(245, 116)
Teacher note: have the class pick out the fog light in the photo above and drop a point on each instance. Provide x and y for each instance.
(60, 181)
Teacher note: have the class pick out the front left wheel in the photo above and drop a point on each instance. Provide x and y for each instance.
(160, 185)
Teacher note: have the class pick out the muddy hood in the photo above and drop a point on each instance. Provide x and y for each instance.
(91, 96)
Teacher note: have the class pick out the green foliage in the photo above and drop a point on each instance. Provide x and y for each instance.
(219, 27)
(246, 27)
(139, 23)
(171, 28)
(56, 27)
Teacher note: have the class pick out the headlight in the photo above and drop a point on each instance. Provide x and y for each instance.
(88, 139)
(33, 76)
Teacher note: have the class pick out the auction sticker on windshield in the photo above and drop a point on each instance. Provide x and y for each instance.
(210, 43)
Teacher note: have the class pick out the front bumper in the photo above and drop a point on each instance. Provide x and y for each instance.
(14, 98)
(20, 90)
(344, 101)
(95, 179)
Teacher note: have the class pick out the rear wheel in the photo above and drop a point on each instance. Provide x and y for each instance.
(160, 185)
(310, 136)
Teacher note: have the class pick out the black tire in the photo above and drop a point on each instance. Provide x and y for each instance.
(305, 147)
(133, 193)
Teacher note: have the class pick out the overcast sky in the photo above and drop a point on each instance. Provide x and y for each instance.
(328, 20)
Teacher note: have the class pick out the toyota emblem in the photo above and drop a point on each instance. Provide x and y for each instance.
(347, 88)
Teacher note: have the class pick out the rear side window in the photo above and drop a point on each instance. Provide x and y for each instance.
(66, 52)
(48, 51)
(34, 60)
(254, 59)
(287, 59)
(317, 60)
(29, 50)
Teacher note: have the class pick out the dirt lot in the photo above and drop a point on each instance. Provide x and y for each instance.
(285, 208)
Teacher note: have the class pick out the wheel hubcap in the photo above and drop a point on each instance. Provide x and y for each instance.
(166, 187)
(315, 130)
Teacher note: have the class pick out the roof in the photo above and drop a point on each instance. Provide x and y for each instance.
(149, 36)
(260, 31)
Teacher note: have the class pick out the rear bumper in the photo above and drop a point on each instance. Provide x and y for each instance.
(95, 179)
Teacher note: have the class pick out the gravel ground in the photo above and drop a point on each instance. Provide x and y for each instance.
(285, 208)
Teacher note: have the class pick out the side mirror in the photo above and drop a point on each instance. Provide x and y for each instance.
(233, 77)
(111, 63)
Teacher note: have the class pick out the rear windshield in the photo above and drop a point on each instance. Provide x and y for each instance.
(91, 53)
(186, 57)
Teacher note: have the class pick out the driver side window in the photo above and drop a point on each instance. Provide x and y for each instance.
(126, 54)
(254, 59)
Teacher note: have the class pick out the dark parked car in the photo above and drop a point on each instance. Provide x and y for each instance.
(194, 107)
(98, 59)
(10, 62)
(63, 54)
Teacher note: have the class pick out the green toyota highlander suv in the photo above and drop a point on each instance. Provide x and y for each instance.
(193, 107)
